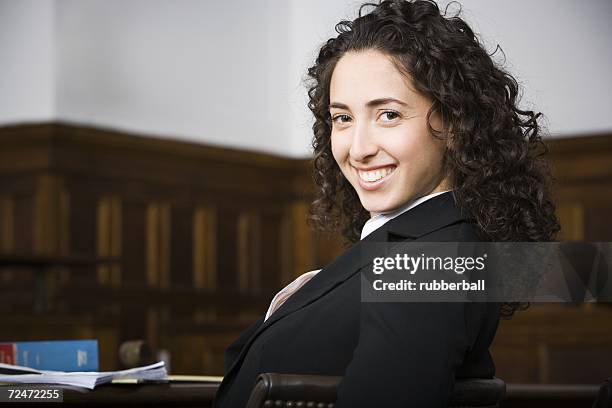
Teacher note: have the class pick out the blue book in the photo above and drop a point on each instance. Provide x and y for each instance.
(62, 355)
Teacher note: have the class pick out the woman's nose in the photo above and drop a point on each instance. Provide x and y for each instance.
(363, 144)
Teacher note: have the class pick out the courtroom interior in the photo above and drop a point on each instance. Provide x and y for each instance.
(156, 175)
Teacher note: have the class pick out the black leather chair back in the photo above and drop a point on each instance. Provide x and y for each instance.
(295, 390)
(477, 393)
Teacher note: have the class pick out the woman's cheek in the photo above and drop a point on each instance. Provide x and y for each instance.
(339, 151)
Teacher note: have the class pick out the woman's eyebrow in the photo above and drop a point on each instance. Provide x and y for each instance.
(338, 105)
(383, 101)
(370, 104)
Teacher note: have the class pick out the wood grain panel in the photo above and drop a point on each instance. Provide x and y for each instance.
(181, 247)
(158, 233)
(202, 256)
(598, 222)
(227, 249)
(249, 252)
(108, 241)
(7, 223)
(133, 248)
(582, 168)
(205, 248)
(531, 347)
(83, 223)
(24, 223)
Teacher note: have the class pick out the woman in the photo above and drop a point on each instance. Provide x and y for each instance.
(417, 136)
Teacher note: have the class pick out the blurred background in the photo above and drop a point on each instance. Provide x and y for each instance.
(155, 182)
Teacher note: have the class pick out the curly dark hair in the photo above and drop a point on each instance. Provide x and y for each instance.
(494, 154)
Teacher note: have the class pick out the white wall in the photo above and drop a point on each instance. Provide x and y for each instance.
(27, 55)
(230, 73)
(215, 72)
(561, 52)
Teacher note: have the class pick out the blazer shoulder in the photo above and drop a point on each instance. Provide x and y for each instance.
(461, 231)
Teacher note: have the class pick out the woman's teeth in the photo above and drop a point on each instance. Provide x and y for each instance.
(375, 175)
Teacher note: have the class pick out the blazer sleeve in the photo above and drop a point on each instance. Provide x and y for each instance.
(407, 355)
(232, 352)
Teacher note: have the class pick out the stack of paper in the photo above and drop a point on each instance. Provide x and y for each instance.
(88, 379)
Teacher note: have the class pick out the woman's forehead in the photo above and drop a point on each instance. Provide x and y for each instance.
(363, 76)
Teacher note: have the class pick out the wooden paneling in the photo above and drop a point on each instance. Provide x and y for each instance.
(227, 249)
(23, 224)
(134, 244)
(582, 168)
(204, 248)
(202, 235)
(180, 237)
(205, 236)
(249, 252)
(555, 343)
(7, 223)
(108, 239)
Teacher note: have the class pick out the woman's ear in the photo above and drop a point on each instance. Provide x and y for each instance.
(437, 122)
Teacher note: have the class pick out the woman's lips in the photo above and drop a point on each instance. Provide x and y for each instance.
(374, 179)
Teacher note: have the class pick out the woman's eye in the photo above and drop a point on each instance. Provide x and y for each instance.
(341, 119)
(389, 116)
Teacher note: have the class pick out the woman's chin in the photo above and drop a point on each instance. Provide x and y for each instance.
(377, 208)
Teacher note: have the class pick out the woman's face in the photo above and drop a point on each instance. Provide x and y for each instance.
(379, 135)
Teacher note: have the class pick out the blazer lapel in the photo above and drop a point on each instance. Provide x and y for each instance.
(429, 216)
(329, 277)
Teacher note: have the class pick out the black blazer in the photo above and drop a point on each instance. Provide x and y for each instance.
(390, 354)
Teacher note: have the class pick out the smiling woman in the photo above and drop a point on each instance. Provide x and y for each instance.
(492, 150)
(417, 137)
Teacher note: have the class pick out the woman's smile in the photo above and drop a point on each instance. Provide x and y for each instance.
(374, 179)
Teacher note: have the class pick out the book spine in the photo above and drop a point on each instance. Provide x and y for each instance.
(7, 353)
(68, 355)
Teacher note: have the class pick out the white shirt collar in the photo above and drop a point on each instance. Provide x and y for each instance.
(378, 220)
